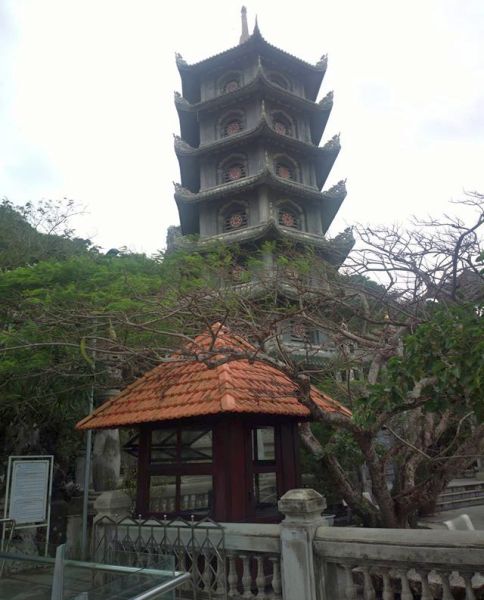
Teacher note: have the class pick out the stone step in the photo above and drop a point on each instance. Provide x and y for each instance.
(471, 484)
(458, 503)
(474, 487)
(458, 494)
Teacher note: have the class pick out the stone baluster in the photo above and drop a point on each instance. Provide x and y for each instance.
(446, 591)
(276, 577)
(387, 586)
(425, 590)
(350, 591)
(368, 589)
(232, 578)
(246, 577)
(260, 579)
(405, 594)
(468, 583)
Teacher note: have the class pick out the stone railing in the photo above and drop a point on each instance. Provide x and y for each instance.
(301, 558)
(419, 564)
(254, 565)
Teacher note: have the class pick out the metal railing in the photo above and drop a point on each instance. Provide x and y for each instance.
(175, 578)
(197, 547)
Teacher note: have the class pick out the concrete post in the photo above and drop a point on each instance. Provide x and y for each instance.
(115, 504)
(302, 509)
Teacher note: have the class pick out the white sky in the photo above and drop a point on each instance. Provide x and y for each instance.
(86, 101)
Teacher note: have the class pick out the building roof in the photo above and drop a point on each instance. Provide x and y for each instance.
(258, 86)
(334, 250)
(185, 387)
(255, 43)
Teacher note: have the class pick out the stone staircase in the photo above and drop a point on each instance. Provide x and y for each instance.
(461, 493)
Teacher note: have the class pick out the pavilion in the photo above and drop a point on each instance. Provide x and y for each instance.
(216, 431)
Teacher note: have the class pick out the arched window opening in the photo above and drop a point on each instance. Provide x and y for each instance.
(234, 171)
(232, 124)
(230, 83)
(286, 170)
(235, 218)
(289, 217)
(232, 168)
(279, 80)
(282, 124)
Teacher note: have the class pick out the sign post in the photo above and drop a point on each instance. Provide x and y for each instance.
(29, 491)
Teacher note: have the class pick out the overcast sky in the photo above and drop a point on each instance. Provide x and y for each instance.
(86, 101)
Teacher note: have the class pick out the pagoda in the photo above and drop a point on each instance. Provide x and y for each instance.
(251, 165)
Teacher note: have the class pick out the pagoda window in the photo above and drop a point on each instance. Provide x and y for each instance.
(282, 124)
(286, 168)
(289, 216)
(232, 124)
(299, 332)
(232, 169)
(230, 82)
(280, 80)
(234, 217)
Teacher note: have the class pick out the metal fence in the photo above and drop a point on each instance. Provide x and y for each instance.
(198, 547)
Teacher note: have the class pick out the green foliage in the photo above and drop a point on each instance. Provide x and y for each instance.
(22, 241)
(447, 351)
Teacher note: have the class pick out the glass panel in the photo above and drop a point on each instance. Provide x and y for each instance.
(163, 446)
(263, 445)
(196, 446)
(196, 492)
(265, 490)
(162, 494)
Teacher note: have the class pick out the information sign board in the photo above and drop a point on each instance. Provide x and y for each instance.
(29, 491)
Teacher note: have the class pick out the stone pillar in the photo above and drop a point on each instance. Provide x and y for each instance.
(302, 509)
(106, 453)
(106, 460)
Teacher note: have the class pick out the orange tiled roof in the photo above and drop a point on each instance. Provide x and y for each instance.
(188, 388)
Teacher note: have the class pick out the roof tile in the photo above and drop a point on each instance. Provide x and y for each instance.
(188, 388)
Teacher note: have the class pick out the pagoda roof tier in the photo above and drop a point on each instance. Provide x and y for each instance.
(330, 199)
(318, 111)
(255, 45)
(334, 251)
(183, 148)
(185, 386)
(189, 157)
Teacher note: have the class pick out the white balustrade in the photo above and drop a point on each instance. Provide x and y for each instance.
(404, 564)
(242, 561)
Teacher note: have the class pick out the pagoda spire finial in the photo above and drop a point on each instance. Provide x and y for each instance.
(245, 28)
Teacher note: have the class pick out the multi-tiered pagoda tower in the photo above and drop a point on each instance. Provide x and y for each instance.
(250, 161)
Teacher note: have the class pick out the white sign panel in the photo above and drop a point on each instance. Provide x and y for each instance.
(29, 490)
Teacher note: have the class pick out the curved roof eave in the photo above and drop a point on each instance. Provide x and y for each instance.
(182, 148)
(264, 176)
(257, 41)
